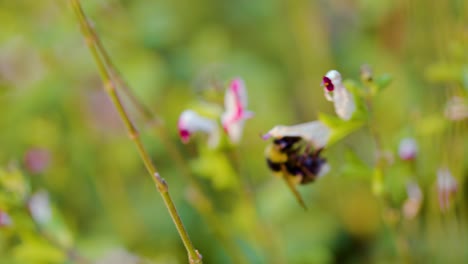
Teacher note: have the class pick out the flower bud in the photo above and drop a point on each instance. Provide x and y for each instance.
(408, 149)
(37, 160)
(336, 92)
(39, 207)
(190, 122)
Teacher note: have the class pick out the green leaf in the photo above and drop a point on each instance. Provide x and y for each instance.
(38, 251)
(377, 182)
(215, 167)
(354, 167)
(383, 81)
(431, 125)
(339, 128)
(354, 87)
(14, 187)
(443, 72)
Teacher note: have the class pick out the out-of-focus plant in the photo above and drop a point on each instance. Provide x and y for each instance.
(31, 227)
(295, 150)
(109, 82)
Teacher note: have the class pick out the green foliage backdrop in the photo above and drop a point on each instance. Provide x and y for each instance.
(60, 133)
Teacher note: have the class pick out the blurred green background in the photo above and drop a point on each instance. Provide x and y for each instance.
(61, 133)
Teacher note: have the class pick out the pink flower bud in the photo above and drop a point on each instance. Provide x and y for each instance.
(408, 149)
(37, 160)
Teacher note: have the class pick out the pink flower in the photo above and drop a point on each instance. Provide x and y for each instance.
(37, 160)
(447, 187)
(408, 149)
(190, 122)
(336, 92)
(235, 112)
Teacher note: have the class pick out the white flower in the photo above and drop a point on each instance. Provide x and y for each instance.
(408, 149)
(314, 132)
(190, 122)
(39, 207)
(235, 112)
(336, 92)
(447, 187)
(412, 205)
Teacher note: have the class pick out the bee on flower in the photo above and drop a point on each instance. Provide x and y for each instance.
(232, 119)
(295, 152)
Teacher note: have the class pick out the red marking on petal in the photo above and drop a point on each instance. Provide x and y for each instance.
(328, 84)
(184, 135)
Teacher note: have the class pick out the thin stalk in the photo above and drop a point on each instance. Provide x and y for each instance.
(145, 111)
(174, 153)
(110, 87)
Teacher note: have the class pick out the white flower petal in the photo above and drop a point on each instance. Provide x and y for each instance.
(343, 100)
(39, 206)
(190, 122)
(314, 132)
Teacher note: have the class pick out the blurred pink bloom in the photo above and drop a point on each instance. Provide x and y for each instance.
(447, 187)
(39, 207)
(235, 112)
(336, 92)
(5, 219)
(37, 160)
(314, 132)
(190, 122)
(413, 203)
(408, 149)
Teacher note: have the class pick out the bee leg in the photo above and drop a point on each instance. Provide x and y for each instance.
(290, 181)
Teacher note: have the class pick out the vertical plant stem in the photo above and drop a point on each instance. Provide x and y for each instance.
(109, 85)
(148, 115)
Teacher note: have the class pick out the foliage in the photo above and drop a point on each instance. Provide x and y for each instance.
(62, 139)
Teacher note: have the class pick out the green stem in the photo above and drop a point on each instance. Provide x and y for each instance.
(110, 87)
(174, 153)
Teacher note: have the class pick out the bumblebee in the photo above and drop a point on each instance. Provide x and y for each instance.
(291, 157)
(296, 158)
